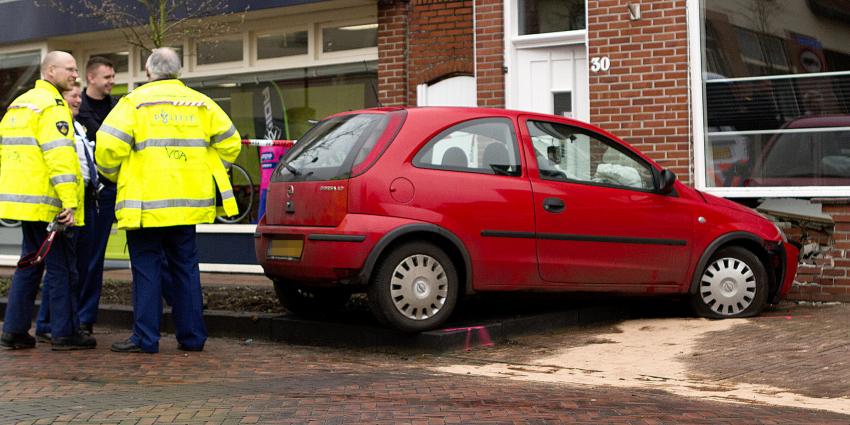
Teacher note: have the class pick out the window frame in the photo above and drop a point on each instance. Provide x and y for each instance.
(320, 40)
(241, 37)
(255, 45)
(696, 36)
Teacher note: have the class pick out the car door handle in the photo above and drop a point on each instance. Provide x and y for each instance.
(553, 205)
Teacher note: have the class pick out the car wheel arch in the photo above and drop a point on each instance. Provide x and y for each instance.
(443, 238)
(745, 240)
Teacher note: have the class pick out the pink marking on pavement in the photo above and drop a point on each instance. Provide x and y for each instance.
(480, 331)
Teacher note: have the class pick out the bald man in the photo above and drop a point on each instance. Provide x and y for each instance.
(41, 181)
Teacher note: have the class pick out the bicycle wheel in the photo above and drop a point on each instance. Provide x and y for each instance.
(243, 190)
(9, 223)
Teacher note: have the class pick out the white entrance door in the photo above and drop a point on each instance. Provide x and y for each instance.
(553, 80)
(455, 91)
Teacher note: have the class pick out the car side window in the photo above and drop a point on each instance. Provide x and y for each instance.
(487, 146)
(571, 154)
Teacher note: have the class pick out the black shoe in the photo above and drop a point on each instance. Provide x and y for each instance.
(87, 329)
(74, 342)
(43, 337)
(12, 341)
(182, 347)
(126, 346)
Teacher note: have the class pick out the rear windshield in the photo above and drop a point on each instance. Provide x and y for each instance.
(331, 148)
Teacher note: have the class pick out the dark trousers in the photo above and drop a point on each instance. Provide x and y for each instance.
(98, 235)
(149, 247)
(60, 279)
(84, 244)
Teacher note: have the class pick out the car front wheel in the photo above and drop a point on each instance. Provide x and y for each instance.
(415, 288)
(733, 284)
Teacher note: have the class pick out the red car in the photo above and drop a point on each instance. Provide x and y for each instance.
(418, 207)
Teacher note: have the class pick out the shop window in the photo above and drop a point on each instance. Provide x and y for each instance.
(144, 54)
(271, 46)
(349, 37)
(545, 16)
(18, 72)
(217, 51)
(284, 104)
(120, 60)
(777, 99)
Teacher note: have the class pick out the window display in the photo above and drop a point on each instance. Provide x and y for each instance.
(777, 94)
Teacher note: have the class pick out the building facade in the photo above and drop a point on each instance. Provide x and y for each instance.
(748, 100)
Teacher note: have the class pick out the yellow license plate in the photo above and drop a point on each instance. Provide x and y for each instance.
(286, 248)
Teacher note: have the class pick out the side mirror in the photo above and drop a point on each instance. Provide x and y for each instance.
(667, 179)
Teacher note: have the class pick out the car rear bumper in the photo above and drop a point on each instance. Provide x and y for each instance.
(331, 256)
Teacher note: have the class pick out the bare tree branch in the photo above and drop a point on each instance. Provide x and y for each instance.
(149, 24)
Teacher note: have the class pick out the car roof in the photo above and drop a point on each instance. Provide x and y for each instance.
(820, 121)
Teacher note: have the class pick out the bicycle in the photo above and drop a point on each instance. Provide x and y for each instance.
(243, 190)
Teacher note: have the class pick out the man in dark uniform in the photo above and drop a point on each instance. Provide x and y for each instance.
(97, 102)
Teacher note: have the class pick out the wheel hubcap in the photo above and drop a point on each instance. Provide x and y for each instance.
(419, 287)
(728, 286)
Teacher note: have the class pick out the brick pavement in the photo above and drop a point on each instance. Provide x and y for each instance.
(236, 382)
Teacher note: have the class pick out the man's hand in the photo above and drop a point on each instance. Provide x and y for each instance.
(66, 217)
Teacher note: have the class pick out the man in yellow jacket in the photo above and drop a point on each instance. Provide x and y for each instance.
(40, 180)
(167, 147)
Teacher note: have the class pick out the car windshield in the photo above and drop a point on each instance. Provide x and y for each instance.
(330, 149)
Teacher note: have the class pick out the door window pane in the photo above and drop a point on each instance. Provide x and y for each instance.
(335, 39)
(281, 45)
(543, 16)
(566, 153)
(776, 81)
(18, 72)
(219, 51)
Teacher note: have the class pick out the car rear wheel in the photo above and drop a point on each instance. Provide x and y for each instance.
(733, 284)
(310, 302)
(415, 288)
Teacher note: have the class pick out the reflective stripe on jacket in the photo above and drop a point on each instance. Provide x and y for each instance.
(39, 169)
(164, 144)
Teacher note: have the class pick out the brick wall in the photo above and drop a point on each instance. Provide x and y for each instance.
(490, 51)
(826, 275)
(643, 97)
(392, 52)
(440, 40)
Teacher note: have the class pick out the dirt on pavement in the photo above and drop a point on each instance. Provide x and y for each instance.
(794, 355)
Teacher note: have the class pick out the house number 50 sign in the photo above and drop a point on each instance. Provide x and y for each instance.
(600, 64)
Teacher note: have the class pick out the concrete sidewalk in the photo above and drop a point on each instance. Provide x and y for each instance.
(207, 279)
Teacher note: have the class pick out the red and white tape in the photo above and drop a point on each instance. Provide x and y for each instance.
(266, 142)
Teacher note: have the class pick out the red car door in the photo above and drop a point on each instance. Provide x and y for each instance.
(469, 180)
(599, 221)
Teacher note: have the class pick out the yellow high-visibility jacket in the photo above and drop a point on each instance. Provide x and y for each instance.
(167, 146)
(39, 168)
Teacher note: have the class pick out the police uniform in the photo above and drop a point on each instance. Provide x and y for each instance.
(39, 177)
(167, 146)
